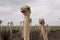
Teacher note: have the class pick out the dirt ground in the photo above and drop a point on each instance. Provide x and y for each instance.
(35, 35)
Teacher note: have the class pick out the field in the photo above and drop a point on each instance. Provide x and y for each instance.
(34, 28)
(54, 34)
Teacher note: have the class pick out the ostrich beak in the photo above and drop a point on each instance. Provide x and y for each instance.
(23, 11)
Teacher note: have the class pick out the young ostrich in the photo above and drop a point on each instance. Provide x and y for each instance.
(26, 12)
(11, 27)
(42, 29)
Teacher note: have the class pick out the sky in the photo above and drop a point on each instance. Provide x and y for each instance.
(47, 9)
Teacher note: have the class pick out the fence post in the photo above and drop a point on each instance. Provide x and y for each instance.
(26, 12)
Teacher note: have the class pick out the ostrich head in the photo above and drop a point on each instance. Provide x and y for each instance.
(11, 23)
(41, 21)
(0, 21)
(8, 23)
(26, 10)
(20, 22)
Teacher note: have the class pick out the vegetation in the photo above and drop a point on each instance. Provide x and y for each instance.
(34, 28)
(55, 28)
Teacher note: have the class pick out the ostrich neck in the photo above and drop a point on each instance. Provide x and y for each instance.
(26, 26)
(26, 22)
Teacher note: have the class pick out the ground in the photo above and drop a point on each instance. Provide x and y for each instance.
(54, 34)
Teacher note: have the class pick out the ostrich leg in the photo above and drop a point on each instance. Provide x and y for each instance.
(42, 28)
(26, 12)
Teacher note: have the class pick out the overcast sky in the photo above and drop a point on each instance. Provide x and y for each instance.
(47, 9)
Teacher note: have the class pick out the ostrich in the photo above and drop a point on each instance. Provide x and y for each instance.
(1, 30)
(7, 26)
(47, 29)
(30, 21)
(26, 12)
(11, 27)
(42, 29)
(20, 26)
(0, 23)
